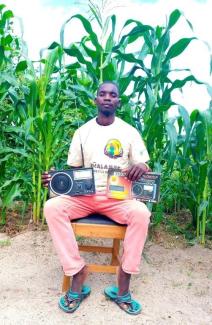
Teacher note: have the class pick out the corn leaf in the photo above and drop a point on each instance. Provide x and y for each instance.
(177, 48)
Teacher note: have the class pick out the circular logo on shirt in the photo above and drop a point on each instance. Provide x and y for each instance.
(113, 149)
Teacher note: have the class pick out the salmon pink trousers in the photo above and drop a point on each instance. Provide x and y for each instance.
(60, 210)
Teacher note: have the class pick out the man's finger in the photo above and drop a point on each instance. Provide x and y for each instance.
(136, 174)
(125, 170)
(141, 174)
(131, 173)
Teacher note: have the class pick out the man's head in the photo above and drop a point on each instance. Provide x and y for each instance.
(107, 99)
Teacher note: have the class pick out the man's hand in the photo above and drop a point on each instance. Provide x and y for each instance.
(46, 177)
(135, 172)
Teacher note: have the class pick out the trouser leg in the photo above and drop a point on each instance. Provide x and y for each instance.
(58, 212)
(136, 215)
(135, 237)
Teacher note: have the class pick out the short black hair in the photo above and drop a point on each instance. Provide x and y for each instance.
(108, 82)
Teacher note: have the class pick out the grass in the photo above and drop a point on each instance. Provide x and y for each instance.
(5, 242)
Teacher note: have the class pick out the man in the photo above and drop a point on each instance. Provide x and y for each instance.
(107, 142)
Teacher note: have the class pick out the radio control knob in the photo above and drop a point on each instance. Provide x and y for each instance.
(137, 189)
(88, 185)
(79, 186)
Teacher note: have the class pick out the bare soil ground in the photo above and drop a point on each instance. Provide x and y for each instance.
(174, 285)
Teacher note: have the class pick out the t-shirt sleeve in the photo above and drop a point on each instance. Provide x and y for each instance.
(74, 153)
(138, 151)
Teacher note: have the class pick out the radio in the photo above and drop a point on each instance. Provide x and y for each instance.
(146, 189)
(73, 182)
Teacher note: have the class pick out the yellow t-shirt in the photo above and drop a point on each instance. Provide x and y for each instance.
(117, 146)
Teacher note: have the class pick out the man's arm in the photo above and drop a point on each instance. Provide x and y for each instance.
(137, 158)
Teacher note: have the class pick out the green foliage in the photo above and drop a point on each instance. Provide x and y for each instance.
(39, 113)
(5, 242)
(11, 88)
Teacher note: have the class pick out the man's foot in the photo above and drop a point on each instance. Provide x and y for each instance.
(72, 300)
(123, 286)
(74, 296)
(125, 302)
(123, 282)
(79, 279)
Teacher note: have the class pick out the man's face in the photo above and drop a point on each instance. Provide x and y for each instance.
(107, 99)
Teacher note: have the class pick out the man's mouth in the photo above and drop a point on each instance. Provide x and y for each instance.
(107, 105)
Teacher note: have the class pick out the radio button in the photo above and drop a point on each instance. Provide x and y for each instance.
(79, 187)
(88, 185)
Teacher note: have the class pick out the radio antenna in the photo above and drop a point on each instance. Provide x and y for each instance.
(83, 161)
(81, 147)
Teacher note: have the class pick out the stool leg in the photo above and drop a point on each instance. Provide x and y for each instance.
(66, 283)
(115, 252)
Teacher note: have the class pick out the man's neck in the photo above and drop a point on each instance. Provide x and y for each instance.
(105, 120)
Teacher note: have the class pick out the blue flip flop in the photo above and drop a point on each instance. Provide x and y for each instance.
(74, 298)
(133, 306)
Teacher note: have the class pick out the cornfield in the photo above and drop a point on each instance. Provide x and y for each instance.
(40, 108)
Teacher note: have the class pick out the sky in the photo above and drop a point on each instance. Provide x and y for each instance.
(43, 19)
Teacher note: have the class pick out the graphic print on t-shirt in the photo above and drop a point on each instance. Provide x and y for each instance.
(106, 147)
(113, 149)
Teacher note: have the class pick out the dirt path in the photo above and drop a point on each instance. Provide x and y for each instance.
(174, 286)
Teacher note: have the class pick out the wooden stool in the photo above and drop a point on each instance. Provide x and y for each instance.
(98, 226)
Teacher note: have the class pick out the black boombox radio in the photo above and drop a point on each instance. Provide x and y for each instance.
(146, 189)
(73, 182)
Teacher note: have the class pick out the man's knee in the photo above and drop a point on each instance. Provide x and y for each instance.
(50, 206)
(142, 218)
(140, 214)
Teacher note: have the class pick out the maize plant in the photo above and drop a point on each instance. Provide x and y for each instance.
(11, 150)
(42, 112)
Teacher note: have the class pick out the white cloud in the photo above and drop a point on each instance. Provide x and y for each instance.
(42, 25)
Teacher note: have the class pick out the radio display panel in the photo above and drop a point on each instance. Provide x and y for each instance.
(82, 174)
(116, 188)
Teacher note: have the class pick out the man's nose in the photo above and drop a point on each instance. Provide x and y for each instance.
(107, 97)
